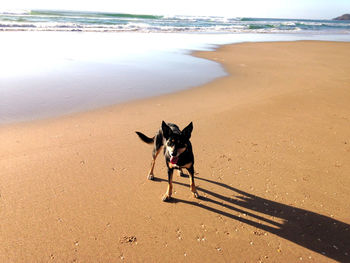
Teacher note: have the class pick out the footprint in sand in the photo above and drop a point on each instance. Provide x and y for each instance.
(201, 238)
(178, 234)
(218, 249)
(128, 240)
(203, 227)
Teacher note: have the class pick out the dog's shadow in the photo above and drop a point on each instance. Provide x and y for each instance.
(319, 233)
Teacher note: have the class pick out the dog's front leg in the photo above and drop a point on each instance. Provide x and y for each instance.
(155, 153)
(169, 191)
(192, 185)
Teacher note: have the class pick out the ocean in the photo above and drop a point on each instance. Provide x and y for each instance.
(47, 20)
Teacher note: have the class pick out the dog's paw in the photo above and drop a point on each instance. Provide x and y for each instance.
(150, 177)
(183, 174)
(166, 198)
(196, 195)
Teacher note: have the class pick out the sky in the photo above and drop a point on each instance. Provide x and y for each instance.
(311, 9)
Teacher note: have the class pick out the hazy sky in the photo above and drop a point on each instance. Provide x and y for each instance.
(324, 9)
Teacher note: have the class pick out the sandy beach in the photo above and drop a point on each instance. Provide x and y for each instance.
(272, 162)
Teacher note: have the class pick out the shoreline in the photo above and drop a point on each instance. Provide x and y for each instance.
(70, 81)
(271, 144)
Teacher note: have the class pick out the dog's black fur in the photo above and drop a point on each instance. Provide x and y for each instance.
(177, 151)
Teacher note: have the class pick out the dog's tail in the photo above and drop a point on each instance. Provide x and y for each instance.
(144, 138)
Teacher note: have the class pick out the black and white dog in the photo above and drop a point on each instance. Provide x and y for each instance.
(177, 151)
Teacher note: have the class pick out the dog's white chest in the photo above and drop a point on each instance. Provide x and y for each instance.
(175, 166)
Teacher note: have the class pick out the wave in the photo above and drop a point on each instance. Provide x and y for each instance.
(247, 19)
(134, 27)
(48, 20)
(322, 24)
(260, 26)
(91, 14)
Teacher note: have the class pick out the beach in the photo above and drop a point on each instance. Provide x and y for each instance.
(60, 73)
(271, 144)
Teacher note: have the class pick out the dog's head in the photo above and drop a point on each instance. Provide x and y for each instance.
(176, 142)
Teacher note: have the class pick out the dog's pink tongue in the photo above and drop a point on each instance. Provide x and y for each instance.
(173, 159)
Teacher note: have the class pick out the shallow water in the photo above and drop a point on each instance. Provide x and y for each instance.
(45, 74)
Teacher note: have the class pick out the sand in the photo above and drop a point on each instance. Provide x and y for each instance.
(272, 161)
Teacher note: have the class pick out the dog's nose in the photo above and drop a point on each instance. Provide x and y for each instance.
(174, 153)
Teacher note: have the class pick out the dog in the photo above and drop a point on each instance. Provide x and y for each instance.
(177, 152)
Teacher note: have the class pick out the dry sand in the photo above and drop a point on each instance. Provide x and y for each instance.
(272, 151)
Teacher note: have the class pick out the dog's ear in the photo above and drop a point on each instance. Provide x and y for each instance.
(186, 132)
(166, 130)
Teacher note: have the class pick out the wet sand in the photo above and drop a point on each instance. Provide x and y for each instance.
(272, 151)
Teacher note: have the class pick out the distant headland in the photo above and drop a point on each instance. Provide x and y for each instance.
(343, 17)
